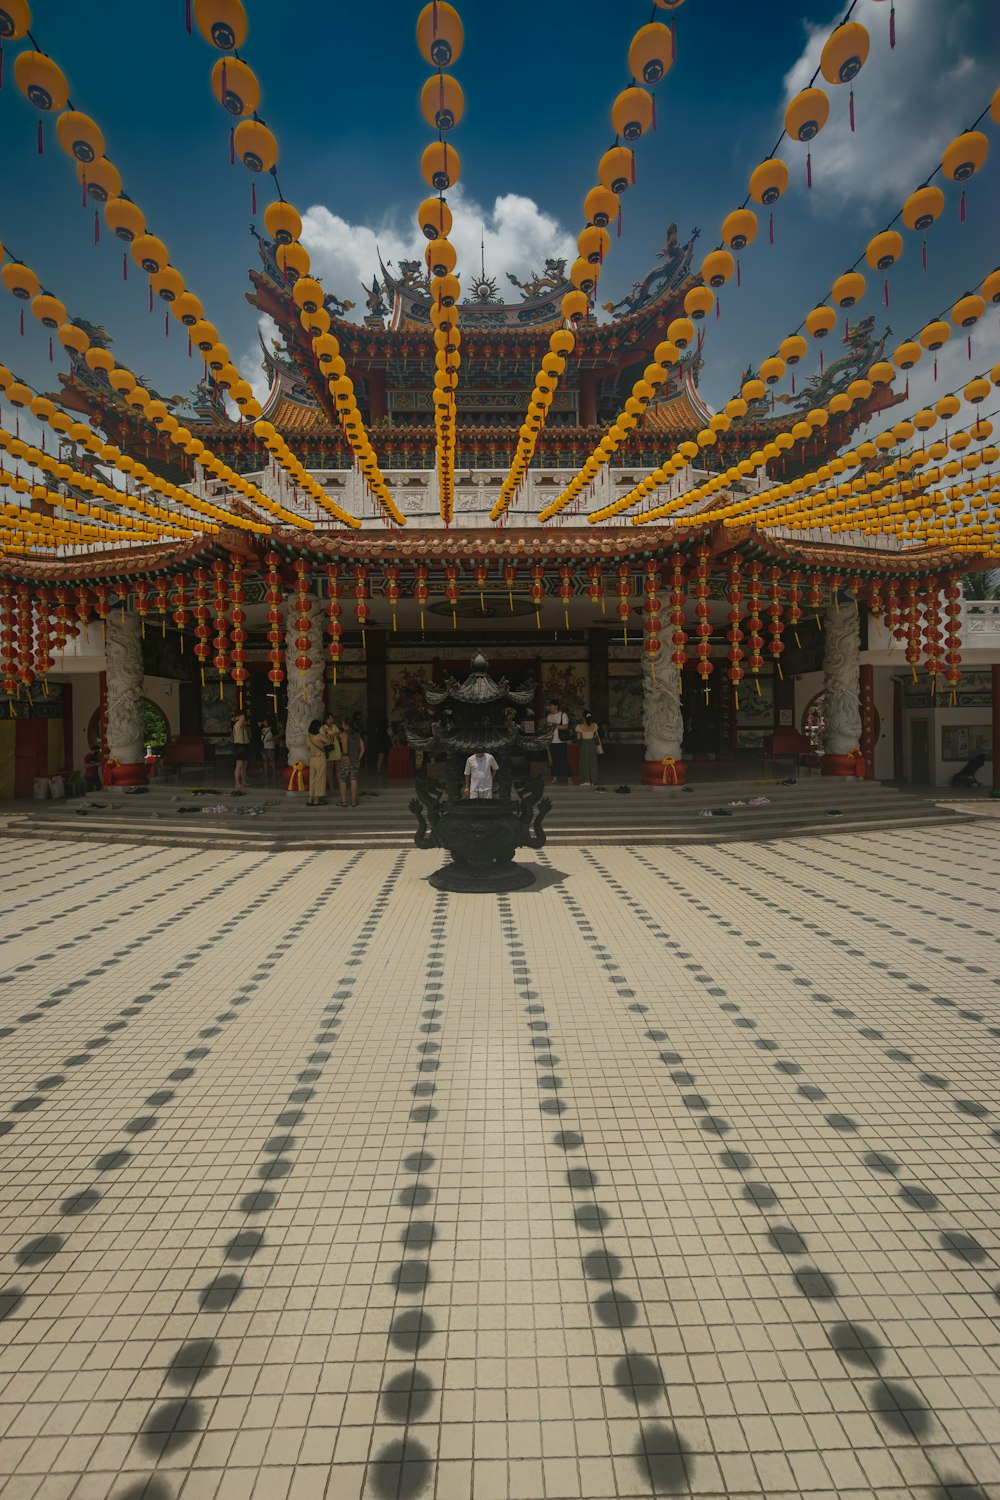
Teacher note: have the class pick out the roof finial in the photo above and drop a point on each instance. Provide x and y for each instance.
(482, 250)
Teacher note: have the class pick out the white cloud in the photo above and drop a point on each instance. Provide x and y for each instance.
(909, 102)
(518, 237)
(954, 370)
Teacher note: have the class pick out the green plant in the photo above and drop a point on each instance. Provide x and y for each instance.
(155, 730)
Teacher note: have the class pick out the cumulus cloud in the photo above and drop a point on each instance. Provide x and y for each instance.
(909, 103)
(516, 236)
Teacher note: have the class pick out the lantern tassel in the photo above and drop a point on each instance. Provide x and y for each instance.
(50, 361)
(1, 64)
(124, 265)
(892, 27)
(83, 188)
(968, 345)
(850, 109)
(232, 146)
(151, 297)
(166, 325)
(935, 369)
(189, 346)
(673, 39)
(961, 204)
(770, 229)
(41, 141)
(739, 274)
(620, 220)
(22, 323)
(809, 169)
(653, 96)
(253, 198)
(718, 305)
(821, 361)
(97, 227)
(923, 256)
(187, 16)
(885, 290)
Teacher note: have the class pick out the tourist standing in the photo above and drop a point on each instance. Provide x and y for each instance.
(241, 751)
(589, 738)
(317, 744)
(383, 744)
(558, 721)
(480, 769)
(268, 752)
(352, 749)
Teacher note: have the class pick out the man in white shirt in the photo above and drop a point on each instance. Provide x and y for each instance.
(558, 721)
(480, 769)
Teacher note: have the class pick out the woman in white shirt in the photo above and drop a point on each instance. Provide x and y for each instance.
(558, 720)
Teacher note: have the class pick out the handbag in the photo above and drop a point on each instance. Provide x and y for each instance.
(599, 747)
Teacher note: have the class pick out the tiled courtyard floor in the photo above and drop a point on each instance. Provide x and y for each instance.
(677, 1173)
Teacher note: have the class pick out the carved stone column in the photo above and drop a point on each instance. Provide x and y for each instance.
(842, 687)
(305, 689)
(663, 725)
(123, 654)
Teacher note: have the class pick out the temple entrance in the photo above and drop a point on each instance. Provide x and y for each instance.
(704, 736)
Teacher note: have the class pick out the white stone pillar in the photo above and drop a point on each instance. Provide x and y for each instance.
(662, 723)
(842, 688)
(123, 658)
(305, 689)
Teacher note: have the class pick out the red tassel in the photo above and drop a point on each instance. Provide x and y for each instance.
(22, 322)
(923, 255)
(851, 110)
(770, 229)
(253, 198)
(935, 369)
(187, 16)
(223, 78)
(906, 393)
(772, 401)
(151, 297)
(739, 273)
(97, 227)
(1, 62)
(633, 168)
(961, 206)
(673, 39)
(718, 304)
(793, 382)
(892, 26)
(809, 169)
(83, 184)
(885, 290)
(50, 360)
(821, 361)
(619, 223)
(701, 339)
(232, 146)
(41, 143)
(124, 265)
(968, 345)
(166, 325)
(652, 96)
(189, 346)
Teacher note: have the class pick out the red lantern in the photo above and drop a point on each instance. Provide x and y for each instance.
(509, 572)
(953, 638)
(43, 635)
(703, 650)
(480, 573)
(333, 614)
(651, 620)
(25, 635)
(392, 589)
(815, 596)
(64, 617)
(202, 615)
(220, 659)
(912, 625)
(565, 588)
(932, 631)
(179, 612)
(537, 572)
(735, 633)
(892, 607)
(876, 604)
(623, 588)
(755, 639)
(237, 617)
(595, 584)
(8, 643)
(420, 590)
(795, 603)
(360, 606)
(102, 604)
(451, 591)
(774, 618)
(678, 633)
(161, 600)
(275, 653)
(141, 591)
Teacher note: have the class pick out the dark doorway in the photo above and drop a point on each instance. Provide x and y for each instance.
(920, 752)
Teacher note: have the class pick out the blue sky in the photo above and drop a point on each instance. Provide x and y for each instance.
(340, 90)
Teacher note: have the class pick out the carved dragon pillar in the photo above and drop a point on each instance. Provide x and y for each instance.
(305, 690)
(663, 725)
(842, 687)
(126, 764)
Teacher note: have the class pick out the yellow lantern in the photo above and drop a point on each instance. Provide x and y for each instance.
(435, 218)
(666, 353)
(632, 113)
(697, 302)
(204, 335)
(601, 206)
(150, 253)
(935, 335)
(739, 228)
(965, 156)
(977, 391)
(121, 380)
(223, 23)
(593, 244)
(168, 284)
(440, 165)
(947, 407)
(440, 34)
(20, 280)
(736, 408)
(124, 218)
(907, 355)
(616, 169)
(41, 81)
(49, 311)
(717, 267)
(255, 146)
(806, 114)
(881, 373)
(441, 257)
(793, 349)
(651, 52)
(991, 287)
(922, 208)
(101, 179)
(820, 322)
(235, 86)
(680, 332)
(968, 310)
(575, 304)
(97, 358)
(753, 390)
(884, 250)
(79, 136)
(73, 338)
(442, 101)
(844, 53)
(772, 370)
(848, 289)
(584, 275)
(282, 222)
(307, 294)
(768, 181)
(187, 307)
(292, 260)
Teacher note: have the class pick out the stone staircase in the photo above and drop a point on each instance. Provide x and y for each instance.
(580, 816)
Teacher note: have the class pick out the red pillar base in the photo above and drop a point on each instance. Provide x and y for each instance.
(655, 773)
(134, 774)
(844, 765)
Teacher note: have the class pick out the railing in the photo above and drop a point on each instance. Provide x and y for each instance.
(981, 622)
